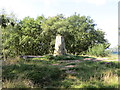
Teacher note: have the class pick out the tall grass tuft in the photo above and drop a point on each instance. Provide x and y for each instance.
(17, 83)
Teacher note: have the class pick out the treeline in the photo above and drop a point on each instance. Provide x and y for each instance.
(31, 36)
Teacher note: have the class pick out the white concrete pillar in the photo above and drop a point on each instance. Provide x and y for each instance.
(59, 46)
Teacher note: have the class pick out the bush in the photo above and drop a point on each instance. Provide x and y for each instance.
(98, 50)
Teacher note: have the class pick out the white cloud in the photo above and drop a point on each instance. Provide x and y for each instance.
(97, 2)
(21, 8)
(48, 2)
(94, 2)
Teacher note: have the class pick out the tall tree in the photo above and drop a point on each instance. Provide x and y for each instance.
(37, 36)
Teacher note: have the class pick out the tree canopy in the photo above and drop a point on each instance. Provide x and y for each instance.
(32, 36)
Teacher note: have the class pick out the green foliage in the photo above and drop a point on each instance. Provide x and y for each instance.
(37, 36)
(98, 50)
(8, 22)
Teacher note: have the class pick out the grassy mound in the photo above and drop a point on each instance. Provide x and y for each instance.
(47, 72)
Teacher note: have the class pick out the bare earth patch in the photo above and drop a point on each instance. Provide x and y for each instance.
(99, 59)
(70, 61)
(66, 67)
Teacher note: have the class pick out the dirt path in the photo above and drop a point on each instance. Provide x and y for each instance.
(73, 63)
(99, 59)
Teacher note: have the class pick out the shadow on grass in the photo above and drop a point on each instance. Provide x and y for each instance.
(94, 74)
(89, 74)
(62, 57)
(40, 76)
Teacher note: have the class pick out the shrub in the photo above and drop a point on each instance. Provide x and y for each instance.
(98, 50)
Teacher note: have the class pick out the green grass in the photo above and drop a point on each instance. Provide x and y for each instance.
(112, 57)
(63, 57)
(47, 72)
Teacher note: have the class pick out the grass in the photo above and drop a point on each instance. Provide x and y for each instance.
(113, 57)
(50, 72)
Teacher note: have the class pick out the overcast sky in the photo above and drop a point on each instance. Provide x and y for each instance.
(103, 12)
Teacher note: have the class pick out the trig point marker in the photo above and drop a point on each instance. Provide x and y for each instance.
(59, 46)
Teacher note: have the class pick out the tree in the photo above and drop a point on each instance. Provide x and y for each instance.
(37, 36)
(7, 24)
(31, 41)
(51, 27)
(79, 32)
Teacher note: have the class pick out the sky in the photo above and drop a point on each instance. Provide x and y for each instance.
(103, 12)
